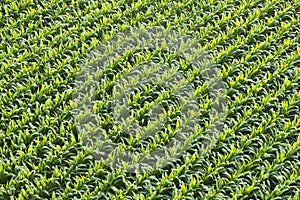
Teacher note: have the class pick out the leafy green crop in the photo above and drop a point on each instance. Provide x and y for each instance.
(254, 45)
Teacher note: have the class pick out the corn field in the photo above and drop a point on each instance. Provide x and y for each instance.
(46, 145)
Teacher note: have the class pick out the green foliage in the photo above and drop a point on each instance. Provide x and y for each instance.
(255, 44)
